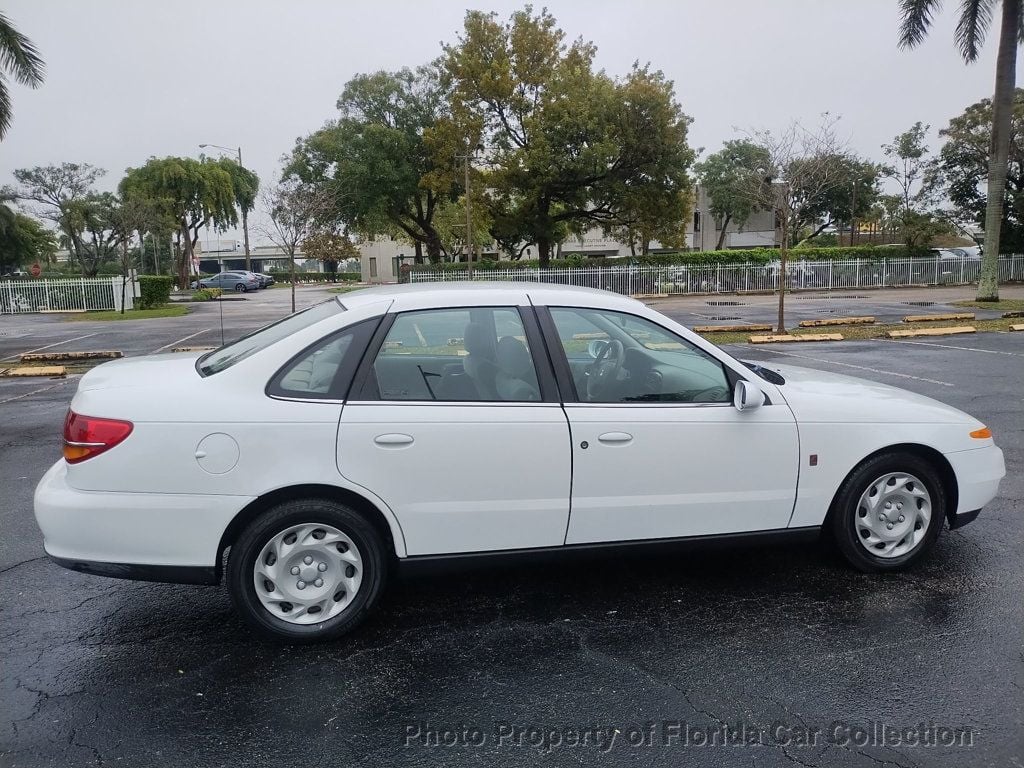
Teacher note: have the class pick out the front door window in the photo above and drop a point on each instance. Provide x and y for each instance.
(620, 358)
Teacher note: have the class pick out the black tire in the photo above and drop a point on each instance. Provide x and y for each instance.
(845, 511)
(240, 288)
(247, 548)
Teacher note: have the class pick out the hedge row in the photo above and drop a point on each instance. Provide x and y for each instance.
(317, 277)
(154, 290)
(752, 256)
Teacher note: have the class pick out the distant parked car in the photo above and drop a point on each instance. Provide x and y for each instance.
(259, 278)
(232, 281)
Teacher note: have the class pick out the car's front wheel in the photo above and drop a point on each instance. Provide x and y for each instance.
(889, 512)
(307, 569)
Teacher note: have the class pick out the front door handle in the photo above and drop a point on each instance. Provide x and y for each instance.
(615, 438)
(393, 440)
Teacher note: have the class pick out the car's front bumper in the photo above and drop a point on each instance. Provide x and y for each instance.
(978, 473)
(148, 536)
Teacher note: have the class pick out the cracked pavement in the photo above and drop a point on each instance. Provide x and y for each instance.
(779, 641)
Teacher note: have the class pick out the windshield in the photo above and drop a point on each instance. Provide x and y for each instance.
(229, 354)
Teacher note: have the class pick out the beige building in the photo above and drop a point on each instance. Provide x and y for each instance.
(381, 258)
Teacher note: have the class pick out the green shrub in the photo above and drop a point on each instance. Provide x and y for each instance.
(748, 256)
(206, 294)
(154, 290)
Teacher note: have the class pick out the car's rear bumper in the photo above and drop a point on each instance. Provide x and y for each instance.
(148, 536)
(978, 473)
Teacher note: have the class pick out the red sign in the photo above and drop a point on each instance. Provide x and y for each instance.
(35, 270)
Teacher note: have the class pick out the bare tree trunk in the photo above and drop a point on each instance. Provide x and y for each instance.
(185, 266)
(124, 271)
(783, 272)
(291, 259)
(544, 252)
(721, 236)
(999, 149)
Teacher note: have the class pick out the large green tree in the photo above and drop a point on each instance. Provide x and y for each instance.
(389, 160)
(960, 172)
(61, 194)
(246, 186)
(92, 219)
(566, 147)
(907, 165)
(971, 29)
(726, 177)
(23, 240)
(19, 59)
(192, 193)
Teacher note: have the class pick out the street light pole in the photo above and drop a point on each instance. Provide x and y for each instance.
(469, 218)
(245, 213)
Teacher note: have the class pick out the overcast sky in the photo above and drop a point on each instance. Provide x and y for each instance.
(129, 79)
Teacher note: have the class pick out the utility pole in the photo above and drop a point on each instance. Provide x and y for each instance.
(469, 216)
(853, 213)
(245, 214)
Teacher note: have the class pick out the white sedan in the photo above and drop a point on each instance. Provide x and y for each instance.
(406, 424)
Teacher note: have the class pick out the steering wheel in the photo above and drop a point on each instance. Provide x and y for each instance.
(604, 371)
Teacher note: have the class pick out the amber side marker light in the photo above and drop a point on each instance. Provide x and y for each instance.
(88, 436)
(981, 434)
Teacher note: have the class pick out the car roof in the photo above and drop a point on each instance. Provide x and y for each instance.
(489, 292)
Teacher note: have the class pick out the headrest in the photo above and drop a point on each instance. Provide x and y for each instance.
(513, 357)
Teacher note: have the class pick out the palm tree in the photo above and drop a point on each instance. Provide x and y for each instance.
(19, 59)
(975, 18)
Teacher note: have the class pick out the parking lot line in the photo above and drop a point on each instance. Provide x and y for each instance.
(58, 343)
(851, 365)
(34, 392)
(953, 346)
(175, 343)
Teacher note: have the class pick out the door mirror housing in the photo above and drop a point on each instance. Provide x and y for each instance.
(747, 396)
(596, 347)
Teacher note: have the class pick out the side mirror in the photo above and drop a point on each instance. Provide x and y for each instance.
(747, 396)
(596, 347)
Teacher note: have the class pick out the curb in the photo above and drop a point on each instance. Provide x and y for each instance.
(732, 328)
(931, 332)
(865, 320)
(39, 370)
(42, 357)
(1017, 327)
(934, 318)
(789, 337)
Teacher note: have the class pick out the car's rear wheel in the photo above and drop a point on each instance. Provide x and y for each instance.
(889, 512)
(308, 569)
(240, 288)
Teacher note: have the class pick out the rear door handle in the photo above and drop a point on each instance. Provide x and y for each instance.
(393, 440)
(612, 438)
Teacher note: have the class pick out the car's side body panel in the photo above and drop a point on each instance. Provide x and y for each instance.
(667, 471)
(463, 477)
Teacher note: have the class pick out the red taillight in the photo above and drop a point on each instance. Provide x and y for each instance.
(88, 436)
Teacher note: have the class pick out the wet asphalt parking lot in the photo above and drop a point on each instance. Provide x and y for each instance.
(755, 657)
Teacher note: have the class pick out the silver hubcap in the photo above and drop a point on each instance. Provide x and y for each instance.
(893, 515)
(308, 573)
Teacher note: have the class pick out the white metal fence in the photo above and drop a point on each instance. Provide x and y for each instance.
(737, 278)
(64, 295)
